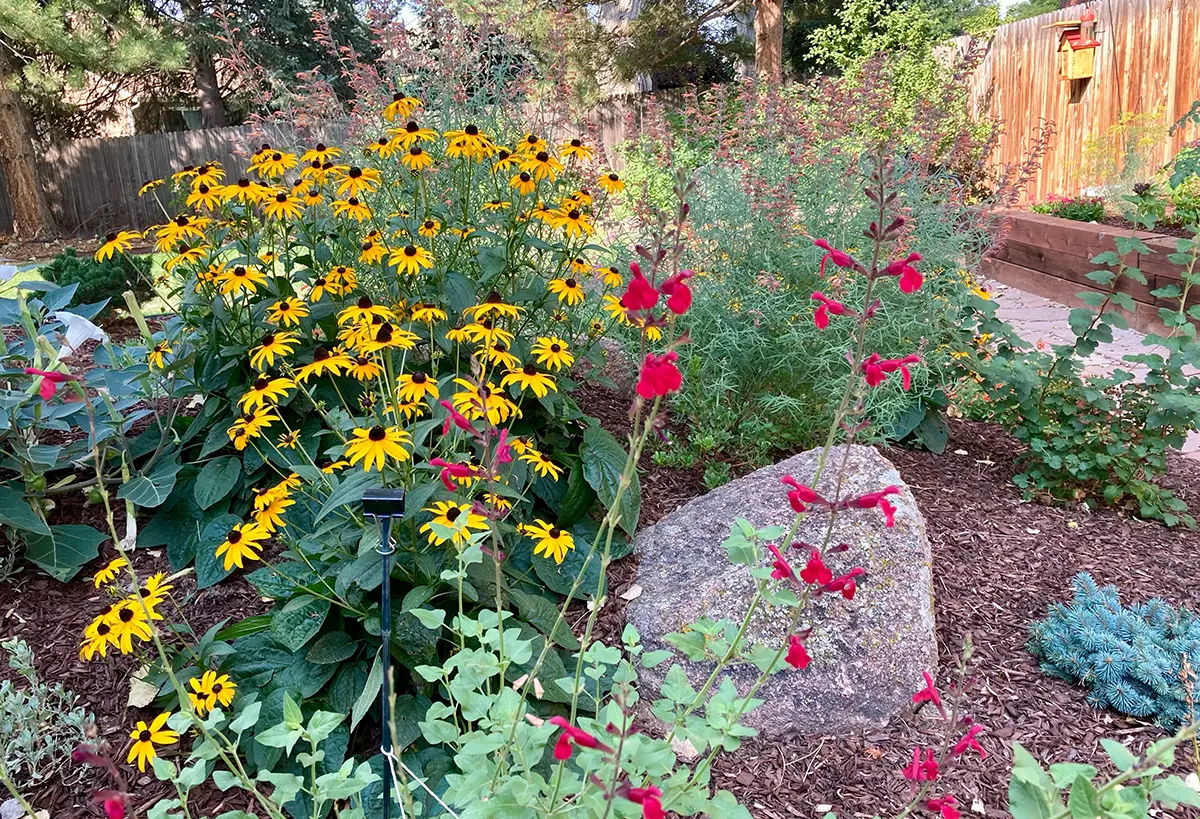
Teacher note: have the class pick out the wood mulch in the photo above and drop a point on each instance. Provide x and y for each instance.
(1163, 228)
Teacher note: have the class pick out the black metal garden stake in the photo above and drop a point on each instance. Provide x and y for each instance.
(385, 506)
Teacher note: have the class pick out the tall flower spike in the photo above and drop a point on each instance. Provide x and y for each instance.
(679, 295)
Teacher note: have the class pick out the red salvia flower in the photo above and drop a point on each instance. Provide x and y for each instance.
(969, 742)
(925, 770)
(815, 572)
(577, 735)
(114, 807)
(828, 306)
(929, 694)
(833, 254)
(659, 375)
(503, 449)
(679, 295)
(910, 278)
(457, 418)
(873, 499)
(800, 495)
(640, 295)
(451, 471)
(50, 381)
(650, 798)
(889, 513)
(782, 571)
(946, 806)
(845, 585)
(797, 656)
(877, 369)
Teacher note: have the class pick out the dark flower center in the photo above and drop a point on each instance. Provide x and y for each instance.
(362, 361)
(418, 378)
(243, 182)
(410, 251)
(556, 533)
(203, 189)
(111, 237)
(397, 97)
(321, 147)
(217, 688)
(281, 197)
(385, 333)
(612, 177)
(103, 629)
(496, 202)
(365, 303)
(575, 143)
(354, 173)
(261, 384)
(126, 615)
(573, 214)
(415, 150)
(382, 141)
(571, 283)
(430, 224)
(524, 176)
(352, 202)
(182, 221)
(377, 434)
(412, 127)
(532, 139)
(505, 154)
(316, 163)
(284, 307)
(556, 348)
(239, 271)
(275, 157)
(471, 130)
(368, 245)
(530, 369)
(234, 536)
(320, 282)
(188, 167)
(452, 513)
(143, 736)
(320, 354)
(265, 147)
(542, 156)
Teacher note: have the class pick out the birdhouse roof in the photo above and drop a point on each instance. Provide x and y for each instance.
(1077, 41)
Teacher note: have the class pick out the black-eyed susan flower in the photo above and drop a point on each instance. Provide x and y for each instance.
(238, 437)
(205, 197)
(341, 279)
(272, 346)
(523, 182)
(282, 207)
(552, 352)
(97, 637)
(576, 149)
(416, 386)
(365, 369)
(129, 619)
(264, 392)
(416, 158)
(497, 502)
(531, 144)
(496, 205)
(452, 522)
(156, 356)
(542, 165)
(459, 333)
(287, 312)
(365, 310)
(413, 133)
(428, 312)
(580, 267)
(358, 180)
(486, 333)
(387, 336)
(429, 228)
(246, 191)
(372, 252)
(573, 221)
(270, 517)
(611, 182)
(351, 208)
(504, 160)
(375, 445)
(611, 277)
(581, 197)
(324, 363)
(243, 542)
(477, 401)
(210, 173)
(110, 571)
(542, 464)
(549, 541)
(149, 185)
(255, 421)
(384, 147)
(119, 241)
(493, 305)
(499, 355)
(401, 107)
(241, 278)
(320, 153)
(317, 288)
(189, 255)
(567, 290)
(156, 588)
(311, 198)
(410, 259)
(184, 174)
(209, 691)
(274, 163)
(531, 378)
(146, 738)
(469, 142)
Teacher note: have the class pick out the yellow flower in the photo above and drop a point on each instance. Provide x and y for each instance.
(499, 355)
(574, 221)
(365, 369)
(149, 186)
(209, 173)
(542, 464)
(611, 276)
(282, 207)
(504, 160)
(203, 196)
(341, 280)
(246, 191)
(611, 183)
(486, 333)
(493, 304)
(209, 691)
(495, 205)
(240, 278)
(243, 542)
(497, 502)
(265, 391)
(415, 387)
(191, 254)
(483, 401)
(469, 142)
(358, 180)
(279, 344)
(401, 107)
(116, 242)
(581, 197)
(287, 312)
(531, 144)
(523, 182)
(320, 154)
(576, 148)
(529, 377)
(109, 573)
(97, 637)
(375, 445)
(568, 290)
(413, 133)
(156, 588)
(553, 352)
(351, 208)
(146, 737)
(372, 252)
(542, 165)
(411, 259)
(270, 517)
(387, 337)
(323, 362)
(580, 266)
(416, 159)
(453, 522)
(129, 619)
(312, 198)
(273, 163)
(549, 541)
(156, 356)
(365, 310)
(428, 312)
(430, 228)
(384, 147)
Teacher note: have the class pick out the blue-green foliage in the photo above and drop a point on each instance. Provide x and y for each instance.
(1129, 659)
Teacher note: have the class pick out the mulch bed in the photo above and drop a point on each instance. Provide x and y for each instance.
(1162, 229)
(998, 563)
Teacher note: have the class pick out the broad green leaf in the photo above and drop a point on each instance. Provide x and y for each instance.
(211, 569)
(348, 492)
(63, 552)
(149, 491)
(603, 459)
(299, 621)
(217, 479)
(1064, 773)
(1121, 756)
(370, 693)
(332, 648)
(16, 512)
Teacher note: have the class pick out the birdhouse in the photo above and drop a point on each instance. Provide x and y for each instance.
(1077, 47)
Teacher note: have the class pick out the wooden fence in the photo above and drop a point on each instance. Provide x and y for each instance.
(1148, 63)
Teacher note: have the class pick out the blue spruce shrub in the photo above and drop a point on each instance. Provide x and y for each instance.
(1129, 659)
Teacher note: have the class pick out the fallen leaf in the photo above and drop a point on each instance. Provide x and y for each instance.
(632, 593)
(977, 806)
(684, 749)
(960, 452)
(873, 753)
(141, 693)
(823, 808)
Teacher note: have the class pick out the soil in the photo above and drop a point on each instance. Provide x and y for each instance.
(998, 562)
(1161, 229)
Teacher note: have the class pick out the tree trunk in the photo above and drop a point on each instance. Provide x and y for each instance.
(18, 157)
(204, 75)
(768, 40)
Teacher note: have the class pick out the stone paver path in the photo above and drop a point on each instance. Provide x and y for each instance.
(1037, 319)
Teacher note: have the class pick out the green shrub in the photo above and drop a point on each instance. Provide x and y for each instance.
(1075, 208)
(1129, 659)
(98, 281)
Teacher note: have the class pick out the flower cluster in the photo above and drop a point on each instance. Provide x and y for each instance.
(127, 621)
(929, 764)
(648, 796)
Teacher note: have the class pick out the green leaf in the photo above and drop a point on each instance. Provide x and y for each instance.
(323, 723)
(603, 460)
(246, 719)
(1121, 756)
(1173, 792)
(64, 550)
(299, 621)
(16, 512)
(1084, 802)
(348, 491)
(216, 480)
(430, 618)
(370, 693)
(1064, 773)
(542, 615)
(245, 627)
(409, 711)
(578, 499)
(333, 647)
(149, 491)
(293, 717)
(209, 568)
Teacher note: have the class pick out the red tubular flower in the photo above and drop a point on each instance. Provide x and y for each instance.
(845, 585)
(873, 499)
(945, 805)
(910, 278)
(797, 656)
(815, 572)
(459, 420)
(969, 742)
(562, 748)
(782, 571)
(114, 807)
(889, 513)
(640, 295)
(503, 450)
(800, 495)
(659, 375)
(679, 295)
(877, 369)
(451, 471)
(833, 254)
(828, 306)
(650, 798)
(921, 770)
(50, 381)
(929, 694)
(577, 735)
